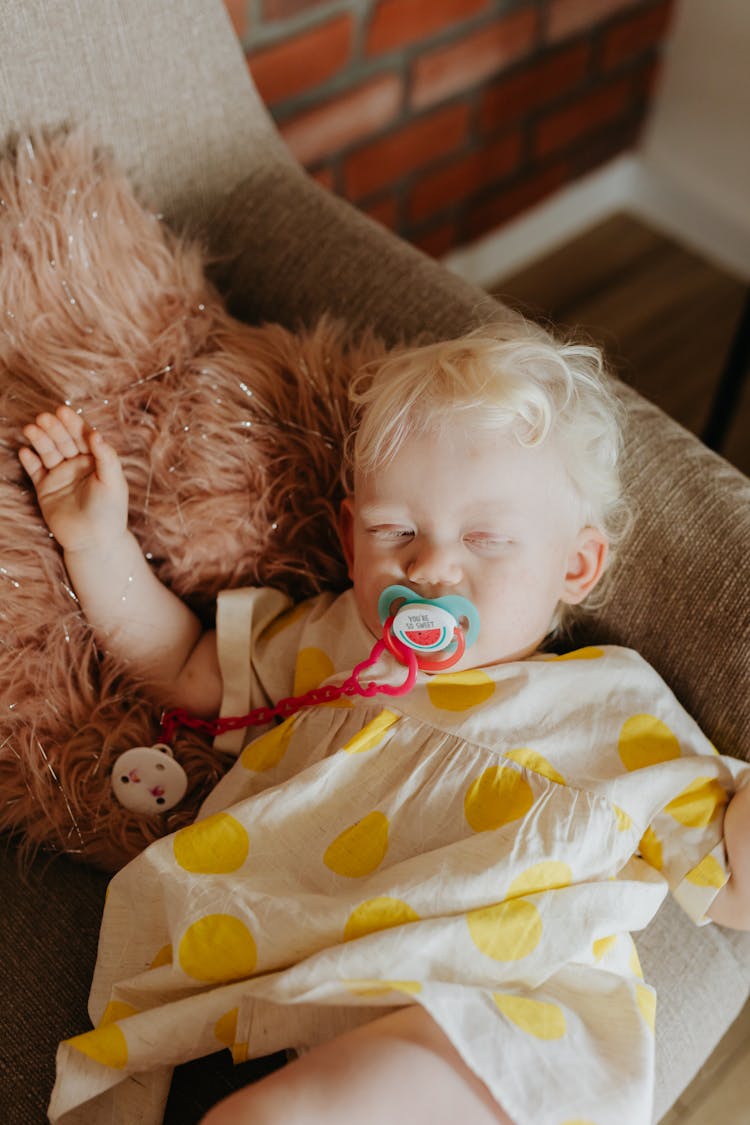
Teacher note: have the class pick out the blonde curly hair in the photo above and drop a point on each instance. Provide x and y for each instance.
(512, 378)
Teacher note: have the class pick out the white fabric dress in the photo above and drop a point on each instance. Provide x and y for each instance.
(482, 846)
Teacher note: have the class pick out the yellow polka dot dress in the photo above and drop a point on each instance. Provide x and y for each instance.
(483, 846)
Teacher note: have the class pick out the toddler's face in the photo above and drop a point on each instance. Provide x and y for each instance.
(476, 514)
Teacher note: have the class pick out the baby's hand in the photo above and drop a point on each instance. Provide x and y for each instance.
(79, 482)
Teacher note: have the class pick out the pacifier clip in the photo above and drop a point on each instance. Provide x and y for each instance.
(414, 629)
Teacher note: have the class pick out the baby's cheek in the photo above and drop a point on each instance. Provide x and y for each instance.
(366, 598)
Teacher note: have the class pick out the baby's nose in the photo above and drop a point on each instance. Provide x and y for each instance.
(434, 565)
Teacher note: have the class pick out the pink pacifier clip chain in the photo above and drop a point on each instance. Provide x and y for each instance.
(148, 779)
(260, 716)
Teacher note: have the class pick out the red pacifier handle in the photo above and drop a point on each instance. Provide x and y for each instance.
(285, 708)
(396, 647)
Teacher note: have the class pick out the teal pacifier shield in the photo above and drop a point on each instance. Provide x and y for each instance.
(427, 624)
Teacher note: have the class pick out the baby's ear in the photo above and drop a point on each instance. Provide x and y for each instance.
(346, 532)
(586, 563)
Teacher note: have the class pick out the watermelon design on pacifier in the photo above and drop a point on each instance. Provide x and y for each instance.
(425, 628)
(428, 625)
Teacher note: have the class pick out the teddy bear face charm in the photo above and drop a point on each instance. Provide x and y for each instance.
(148, 780)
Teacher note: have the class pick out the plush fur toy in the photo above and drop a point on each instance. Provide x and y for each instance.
(230, 437)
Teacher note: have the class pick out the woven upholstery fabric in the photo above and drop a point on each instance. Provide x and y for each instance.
(164, 83)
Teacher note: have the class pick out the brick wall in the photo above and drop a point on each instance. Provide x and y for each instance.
(446, 118)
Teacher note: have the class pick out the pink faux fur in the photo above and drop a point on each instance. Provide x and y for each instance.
(230, 437)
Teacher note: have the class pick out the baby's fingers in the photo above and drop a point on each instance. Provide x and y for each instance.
(31, 464)
(56, 427)
(51, 440)
(79, 431)
(108, 468)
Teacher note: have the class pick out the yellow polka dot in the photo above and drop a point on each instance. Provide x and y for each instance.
(116, 1010)
(378, 914)
(225, 1029)
(359, 849)
(536, 1017)
(213, 846)
(534, 761)
(312, 668)
(458, 691)
(371, 735)
(382, 987)
(240, 1053)
(645, 740)
(283, 622)
(603, 945)
(217, 948)
(698, 803)
(267, 751)
(708, 873)
(634, 961)
(624, 822)
(163, 957)
(498, 796)
(508, 931)
(646, 999)
(651, 849)
(107, 1045)
(545, 876)
(589, 652)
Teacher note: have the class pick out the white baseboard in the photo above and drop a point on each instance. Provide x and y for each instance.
(626, 183)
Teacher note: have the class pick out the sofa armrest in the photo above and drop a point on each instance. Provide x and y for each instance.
(165, 85)
(680, 595)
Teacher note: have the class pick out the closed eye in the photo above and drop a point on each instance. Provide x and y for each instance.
(391, 533)
(487, 541)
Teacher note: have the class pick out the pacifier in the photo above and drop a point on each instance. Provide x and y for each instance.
(147, 779)
(428, 626)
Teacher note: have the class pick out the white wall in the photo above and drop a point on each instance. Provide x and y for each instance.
(698, 135)
(690, 176)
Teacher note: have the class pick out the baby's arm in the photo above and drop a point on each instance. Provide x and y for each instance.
(83, 496)
(731, 907)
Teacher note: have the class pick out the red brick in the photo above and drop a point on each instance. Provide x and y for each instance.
(437, 241)
(562, 128)
(397, 23)
(440, 189)
(385, 211)
(344, 120)
(413, 146)
(648, 77)
(440, 73)
(635, 35)
(517, 199)
(298, 64)
(280, 9)
(539, 84)
(237, 11)
(604, 145)
(568, 17)
(324, 176)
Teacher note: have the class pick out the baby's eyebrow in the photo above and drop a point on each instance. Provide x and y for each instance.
(383, 511)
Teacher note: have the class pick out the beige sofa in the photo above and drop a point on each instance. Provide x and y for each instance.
(164, 83)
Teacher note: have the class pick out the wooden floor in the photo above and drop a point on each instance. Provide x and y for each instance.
(665, 318)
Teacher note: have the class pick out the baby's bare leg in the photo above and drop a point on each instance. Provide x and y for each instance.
(400, 1067)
